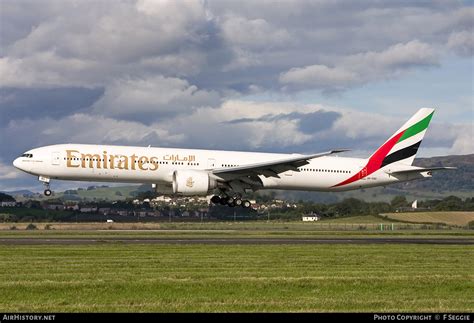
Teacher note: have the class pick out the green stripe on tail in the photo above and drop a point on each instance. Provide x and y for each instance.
(416, 128)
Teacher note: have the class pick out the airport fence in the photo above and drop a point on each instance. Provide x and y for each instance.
(381, 226)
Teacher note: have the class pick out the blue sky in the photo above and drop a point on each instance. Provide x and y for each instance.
(238, 75)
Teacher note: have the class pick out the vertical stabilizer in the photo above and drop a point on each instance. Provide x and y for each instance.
(403, 145)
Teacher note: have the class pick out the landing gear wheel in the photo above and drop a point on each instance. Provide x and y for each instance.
(237, 202)
(246, 204)
(216, 199)
(230, 201)
(223, 200)
(47, 192)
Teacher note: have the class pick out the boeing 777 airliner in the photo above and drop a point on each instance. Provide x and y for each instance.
(231, 173)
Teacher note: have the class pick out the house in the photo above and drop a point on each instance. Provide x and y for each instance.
(162, 198)
(311, 218)
(120, 212)
(8, 203)
(54, 206)
(144, 212)
(88, 209)
(71, 206)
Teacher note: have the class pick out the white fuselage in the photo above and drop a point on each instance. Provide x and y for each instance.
(156, 165)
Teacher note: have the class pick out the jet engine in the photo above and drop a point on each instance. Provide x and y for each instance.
(192, 182)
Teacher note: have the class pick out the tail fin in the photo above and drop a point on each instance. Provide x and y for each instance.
(403, 145)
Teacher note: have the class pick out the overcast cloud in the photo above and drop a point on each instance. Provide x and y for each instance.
(227, 74)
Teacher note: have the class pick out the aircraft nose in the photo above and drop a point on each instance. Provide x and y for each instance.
(16, 163)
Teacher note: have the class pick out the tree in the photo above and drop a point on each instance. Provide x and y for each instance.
(6, 198)
(399, 201)
(450, 203)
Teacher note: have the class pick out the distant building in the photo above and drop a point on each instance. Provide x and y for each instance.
(54, 206)
(8, 203)
(311, 218)
(88, 209)
(104, 210)
(145, 212)
(413, 208)
(120, 212)
(72, 206)
(161, 198)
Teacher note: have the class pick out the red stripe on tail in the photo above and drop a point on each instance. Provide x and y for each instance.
(375, 160)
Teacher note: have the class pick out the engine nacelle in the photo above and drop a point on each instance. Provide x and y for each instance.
(192, 182)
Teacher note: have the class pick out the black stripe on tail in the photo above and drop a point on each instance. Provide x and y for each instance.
(401, 154)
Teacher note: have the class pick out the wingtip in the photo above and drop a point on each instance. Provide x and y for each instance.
(335, 151)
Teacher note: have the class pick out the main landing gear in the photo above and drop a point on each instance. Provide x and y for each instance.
(47, 190)
(231, 201)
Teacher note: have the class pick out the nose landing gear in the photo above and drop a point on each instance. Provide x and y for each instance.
(45, 180)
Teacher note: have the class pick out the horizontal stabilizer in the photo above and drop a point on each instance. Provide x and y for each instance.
(417, 170)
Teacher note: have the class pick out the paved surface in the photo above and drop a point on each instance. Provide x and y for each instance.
(223, 241)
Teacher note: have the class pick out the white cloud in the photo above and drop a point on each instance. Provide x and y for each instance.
(319, 76)
(463, 143)
(255, 34)
(462, 42)
(92, 43)
(362, 125)
(8, 172)
(362, 68)
(398, 56)
(46, 70)
(83, 128)
(152, 98)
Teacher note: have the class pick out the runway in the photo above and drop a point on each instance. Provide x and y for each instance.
(231, 241)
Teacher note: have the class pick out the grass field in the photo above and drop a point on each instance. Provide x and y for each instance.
(450, 218)
(356, 224)
(223, 278)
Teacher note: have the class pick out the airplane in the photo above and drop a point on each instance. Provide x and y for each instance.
(229, 174)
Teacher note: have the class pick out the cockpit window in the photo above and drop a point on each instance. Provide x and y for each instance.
(27, 155)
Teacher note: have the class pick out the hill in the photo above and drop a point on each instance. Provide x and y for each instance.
(460, 179)
(20, 192)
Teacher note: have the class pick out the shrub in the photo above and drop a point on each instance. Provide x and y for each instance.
(31, 226)
(470, 225)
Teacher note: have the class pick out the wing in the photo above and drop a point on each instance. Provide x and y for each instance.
(246, 176)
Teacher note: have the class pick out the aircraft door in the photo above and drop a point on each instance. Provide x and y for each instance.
(363, 173)
(55, 158)
(211, 163)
